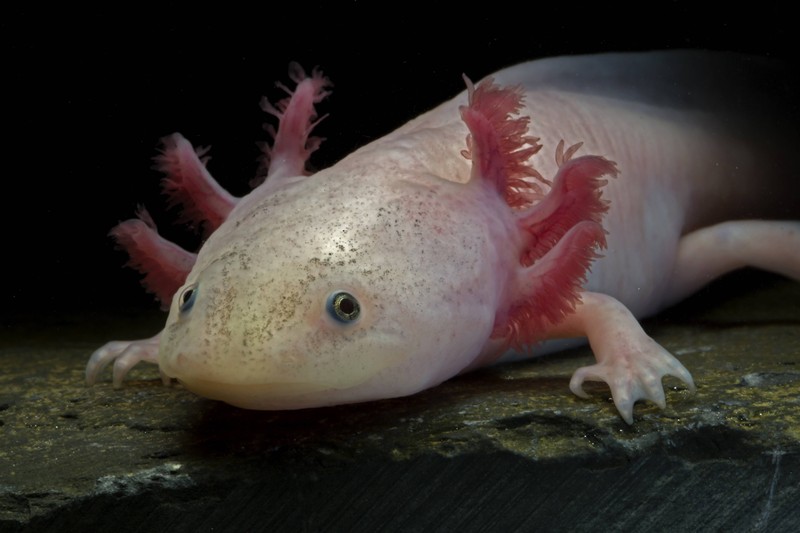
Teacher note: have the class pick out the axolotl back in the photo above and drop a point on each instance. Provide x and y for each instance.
(483, 227)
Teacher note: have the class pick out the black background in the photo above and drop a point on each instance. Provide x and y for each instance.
(88, 94)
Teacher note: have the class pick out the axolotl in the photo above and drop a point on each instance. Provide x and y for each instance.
(565, 197)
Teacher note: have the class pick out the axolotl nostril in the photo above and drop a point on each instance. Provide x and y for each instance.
(560, 198)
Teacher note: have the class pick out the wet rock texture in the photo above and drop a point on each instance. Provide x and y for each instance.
(502, 449)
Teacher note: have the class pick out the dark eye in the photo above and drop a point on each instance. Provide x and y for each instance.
(343, 306)
(187, 297)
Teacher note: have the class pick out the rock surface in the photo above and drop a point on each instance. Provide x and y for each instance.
(502, 449)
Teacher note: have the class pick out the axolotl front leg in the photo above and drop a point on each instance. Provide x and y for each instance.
(628, 360)
(206, 204)
(125, 355)
(632, 363)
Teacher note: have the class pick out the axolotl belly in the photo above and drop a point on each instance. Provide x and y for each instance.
(560, 198)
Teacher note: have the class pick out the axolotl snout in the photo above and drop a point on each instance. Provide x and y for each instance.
(559, 198)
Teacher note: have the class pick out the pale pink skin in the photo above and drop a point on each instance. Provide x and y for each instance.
(431, 297)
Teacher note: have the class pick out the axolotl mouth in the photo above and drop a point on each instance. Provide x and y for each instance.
(262, 396)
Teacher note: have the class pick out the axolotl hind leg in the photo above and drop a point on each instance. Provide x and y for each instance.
(707, 253)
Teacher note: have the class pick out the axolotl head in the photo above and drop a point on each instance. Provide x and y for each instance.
(332, 290)
(377, 278)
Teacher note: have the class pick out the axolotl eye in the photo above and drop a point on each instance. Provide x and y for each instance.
(343, 307)
(187, 297)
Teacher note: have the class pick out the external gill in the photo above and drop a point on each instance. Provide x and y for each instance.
(561, 231)
(205, 203)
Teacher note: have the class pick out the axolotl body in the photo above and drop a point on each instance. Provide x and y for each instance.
(560, 198)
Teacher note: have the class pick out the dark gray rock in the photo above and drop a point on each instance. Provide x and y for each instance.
(502, 449)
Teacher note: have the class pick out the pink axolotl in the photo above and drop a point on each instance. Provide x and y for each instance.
(559, 198)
